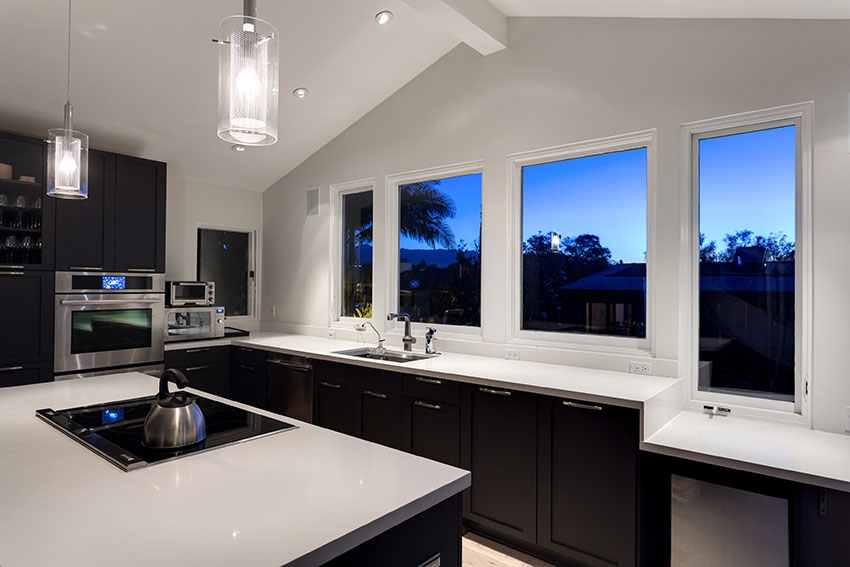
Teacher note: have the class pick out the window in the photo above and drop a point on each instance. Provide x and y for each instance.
(582, 242)
(226, 257)
(356, 244)
(749, 282)
(436, 219)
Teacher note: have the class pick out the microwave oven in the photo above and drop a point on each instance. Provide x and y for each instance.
(178, 294)
(193, 323)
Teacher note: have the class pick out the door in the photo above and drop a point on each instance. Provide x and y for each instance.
(85, 228)
(26, 309)
(335, 407)
(22, 374)
(249, 384)
(291, 387)
(499, 447)
(382, 419)
(435, 431)
(139, 215)
(588, 481)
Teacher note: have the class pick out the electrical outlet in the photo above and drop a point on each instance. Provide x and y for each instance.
(511, 354)
(274, 311)
(640, 367)
(847, 419)
(331, 334)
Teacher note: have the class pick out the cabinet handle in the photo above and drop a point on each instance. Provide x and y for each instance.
(11, 273)
(194, 350)
(581, 406)
(247, 367)
(12, 267)
(194, 368)
(86, 268)
(141, 269)
(496, 392)
(244, 349)
(375, 394)
(329, 385)
(427, 405)
(10, 368)
(291, 365)
(428, 380)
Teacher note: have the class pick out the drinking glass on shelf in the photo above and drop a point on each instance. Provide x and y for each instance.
(10, 249)
(21, 202)
(26, 250)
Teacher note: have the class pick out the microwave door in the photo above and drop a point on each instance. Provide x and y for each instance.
(189, 324)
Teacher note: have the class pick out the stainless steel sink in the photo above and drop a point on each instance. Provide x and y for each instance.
(390, 355)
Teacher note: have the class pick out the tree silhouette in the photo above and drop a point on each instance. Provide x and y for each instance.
(776, 245)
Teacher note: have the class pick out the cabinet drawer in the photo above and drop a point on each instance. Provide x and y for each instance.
(435, 389)
(248, 356)
(196, 356)
(212, 377)
(21, 374)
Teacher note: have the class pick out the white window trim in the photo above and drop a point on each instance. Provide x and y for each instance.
(337, 192)
(585, 342)
(799, 411)
(254, 259)
(392, 239)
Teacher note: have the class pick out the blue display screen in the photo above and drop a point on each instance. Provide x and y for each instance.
(113, 282)
(111, 415)
(220, 310)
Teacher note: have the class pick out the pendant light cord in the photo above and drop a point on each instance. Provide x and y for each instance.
(69, 51)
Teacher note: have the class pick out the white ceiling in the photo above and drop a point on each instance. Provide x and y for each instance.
(802, 9)
(144, 76)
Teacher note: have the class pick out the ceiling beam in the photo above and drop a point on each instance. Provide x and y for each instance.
(475, 22)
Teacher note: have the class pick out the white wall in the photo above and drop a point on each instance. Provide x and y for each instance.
(567, 80)
(191, 204)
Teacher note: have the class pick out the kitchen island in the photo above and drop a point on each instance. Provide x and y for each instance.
(303, 497)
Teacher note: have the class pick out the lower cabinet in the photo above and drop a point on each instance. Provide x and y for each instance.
(499, 447)
(27, 373)
(435, 431)
(26, 310)
(383, 419)
(335, 406)
(213, 378)
(249, 384)
(587, 481)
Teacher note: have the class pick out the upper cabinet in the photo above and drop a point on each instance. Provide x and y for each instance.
(26, 214)
(121, 226)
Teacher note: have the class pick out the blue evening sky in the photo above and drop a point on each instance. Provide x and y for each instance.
(465, 191)
(747, 181)
(603, 195)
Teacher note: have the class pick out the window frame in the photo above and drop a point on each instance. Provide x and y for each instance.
(392, 251)
(254, 256)
(605, 344)
(691, 133)
(337, 192)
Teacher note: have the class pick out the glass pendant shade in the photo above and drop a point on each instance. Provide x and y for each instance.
(248, 81)
(67, 164)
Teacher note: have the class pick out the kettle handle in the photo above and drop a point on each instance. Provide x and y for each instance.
(171, 375)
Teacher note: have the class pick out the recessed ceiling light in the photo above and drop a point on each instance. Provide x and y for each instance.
(383, 17)
(237, 148)
(300, 92)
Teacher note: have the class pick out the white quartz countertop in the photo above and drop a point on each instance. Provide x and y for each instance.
(784, 451)
(605, 386)
(296, 498)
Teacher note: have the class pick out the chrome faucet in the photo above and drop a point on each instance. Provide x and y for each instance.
(379, 349)
(408, 339)
(429, 336)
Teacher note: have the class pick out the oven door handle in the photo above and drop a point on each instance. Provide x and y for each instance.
(107, 301)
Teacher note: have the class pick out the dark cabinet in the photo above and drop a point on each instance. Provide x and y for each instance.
(383, 419)
(335, 407)
(213, 378)
(26, 373)
(499, 447)
(435, 431)
(84, 230)
(588, 481)
(249, 384)
(290, 386)
(139, 215)
(26, 305)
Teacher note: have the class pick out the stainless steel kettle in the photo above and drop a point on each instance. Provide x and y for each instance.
(175, 420)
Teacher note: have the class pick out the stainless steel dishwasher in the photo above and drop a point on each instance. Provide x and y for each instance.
(290, 389)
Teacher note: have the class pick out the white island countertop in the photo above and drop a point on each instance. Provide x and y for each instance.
(296, 498)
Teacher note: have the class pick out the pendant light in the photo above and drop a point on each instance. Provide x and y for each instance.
(247, 79)
(67, 150)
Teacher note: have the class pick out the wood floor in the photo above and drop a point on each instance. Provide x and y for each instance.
(481, 552)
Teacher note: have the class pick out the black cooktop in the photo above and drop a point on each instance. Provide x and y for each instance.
(115, 430)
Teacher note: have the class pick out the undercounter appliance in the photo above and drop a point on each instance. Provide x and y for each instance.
(290, 386)
(193, 323)
(115, 430)
(108, 321)
(179, 294)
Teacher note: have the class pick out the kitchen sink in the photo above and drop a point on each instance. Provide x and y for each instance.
(390, 355)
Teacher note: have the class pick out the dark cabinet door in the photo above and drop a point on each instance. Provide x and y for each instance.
(435, 431)
(212, 377)
(335, 407)
(248, 384)
(22, 374)
(26, 312)
(290, 387)
(139, 215)
(499, 447)
(382, 419)
(84, 230)
(588, 481)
